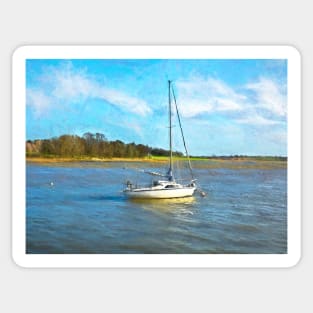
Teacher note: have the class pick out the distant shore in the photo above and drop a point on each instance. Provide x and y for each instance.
(210, 163)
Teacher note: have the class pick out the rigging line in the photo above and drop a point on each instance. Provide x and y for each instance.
(182, 133)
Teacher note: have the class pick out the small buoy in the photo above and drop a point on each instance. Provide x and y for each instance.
(202, 193)
(51, 183)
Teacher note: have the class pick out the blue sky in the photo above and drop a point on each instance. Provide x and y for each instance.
(227, 107)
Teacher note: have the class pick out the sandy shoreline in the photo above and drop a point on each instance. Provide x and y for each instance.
(61, 160)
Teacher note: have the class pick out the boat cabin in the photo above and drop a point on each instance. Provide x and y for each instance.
(165, 184)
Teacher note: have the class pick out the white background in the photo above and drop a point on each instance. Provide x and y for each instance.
(158, 22)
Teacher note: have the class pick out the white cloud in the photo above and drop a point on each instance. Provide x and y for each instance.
(224, 104)
(199, 95)
(38, 101)
(270, 96)
(257, 120)
(71, 85)
(261, 103)
(68, 85)
(192, 108)
(123, 101)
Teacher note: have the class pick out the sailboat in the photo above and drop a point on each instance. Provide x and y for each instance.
(167, 187)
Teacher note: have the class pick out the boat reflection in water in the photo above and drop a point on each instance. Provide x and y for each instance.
(185, 204)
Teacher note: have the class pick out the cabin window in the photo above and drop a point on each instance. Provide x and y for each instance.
(169, 186)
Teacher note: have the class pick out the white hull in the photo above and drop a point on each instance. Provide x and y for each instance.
(160, 193)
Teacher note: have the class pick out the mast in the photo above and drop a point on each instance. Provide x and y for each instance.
(170, 171)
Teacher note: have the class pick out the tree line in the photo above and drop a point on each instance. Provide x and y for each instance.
(90, 145)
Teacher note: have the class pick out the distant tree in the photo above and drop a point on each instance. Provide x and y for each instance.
(131, 151)
(142, 150)
(47, 147)
(100, 137)
(89, 139)
(93, 145)
(118, 149)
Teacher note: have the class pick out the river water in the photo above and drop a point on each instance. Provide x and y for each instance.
(80, 208)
